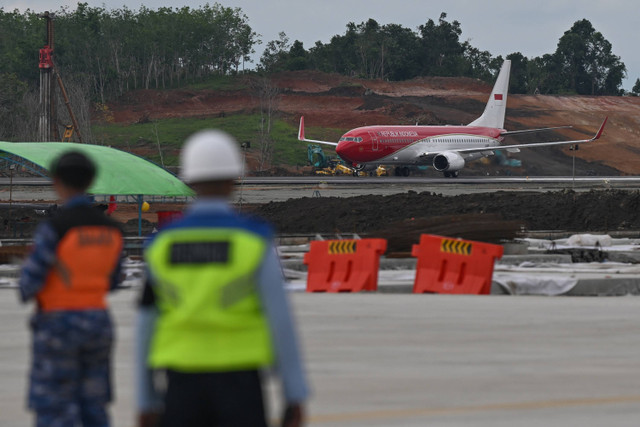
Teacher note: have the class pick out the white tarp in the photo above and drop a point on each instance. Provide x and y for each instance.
(587, 241)
(534, 284)
(603, 240)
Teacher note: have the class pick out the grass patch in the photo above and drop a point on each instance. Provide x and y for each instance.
(141, 138)
(219, 83)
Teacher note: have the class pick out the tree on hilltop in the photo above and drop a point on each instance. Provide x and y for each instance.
(586, 62)
(636, 88)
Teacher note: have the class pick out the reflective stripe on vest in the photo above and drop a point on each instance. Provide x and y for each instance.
(210, 312)
(86, 258)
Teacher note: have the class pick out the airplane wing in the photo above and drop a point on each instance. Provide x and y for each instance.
(520, 132)
(302, 138)
(533, 145)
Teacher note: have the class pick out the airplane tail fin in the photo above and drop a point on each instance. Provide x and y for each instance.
(493, 115)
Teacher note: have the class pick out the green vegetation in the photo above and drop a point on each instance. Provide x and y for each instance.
(635, 90)
(173, 132)
(12, 91)
(124, 49)
(583, 63)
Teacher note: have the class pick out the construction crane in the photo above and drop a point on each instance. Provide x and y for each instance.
(47, 124)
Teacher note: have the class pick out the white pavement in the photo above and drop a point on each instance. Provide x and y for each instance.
(416, 360)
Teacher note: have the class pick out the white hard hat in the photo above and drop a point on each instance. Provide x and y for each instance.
(210, 155)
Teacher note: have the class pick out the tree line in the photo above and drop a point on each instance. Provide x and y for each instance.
(104, 53)
(583, 62)
(122, 49)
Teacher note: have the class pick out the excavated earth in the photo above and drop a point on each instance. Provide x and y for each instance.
(402, 218)
(504, 212)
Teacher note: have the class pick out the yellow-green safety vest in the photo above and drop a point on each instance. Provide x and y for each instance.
(210, 315)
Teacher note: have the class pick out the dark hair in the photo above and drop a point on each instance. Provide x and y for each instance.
(74, 170)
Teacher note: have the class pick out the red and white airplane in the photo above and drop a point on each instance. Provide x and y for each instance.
(448, 148)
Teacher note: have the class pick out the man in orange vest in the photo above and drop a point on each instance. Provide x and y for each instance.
(75, 262)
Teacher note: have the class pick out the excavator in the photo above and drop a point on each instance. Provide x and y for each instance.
(331, 166)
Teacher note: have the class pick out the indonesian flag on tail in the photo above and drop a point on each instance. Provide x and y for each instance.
(498, 99)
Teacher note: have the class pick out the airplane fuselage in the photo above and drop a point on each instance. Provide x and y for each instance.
(402, 145)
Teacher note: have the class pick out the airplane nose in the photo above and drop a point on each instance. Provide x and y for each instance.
(341, 150)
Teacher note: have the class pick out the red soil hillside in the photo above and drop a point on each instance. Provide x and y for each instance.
(341, 102)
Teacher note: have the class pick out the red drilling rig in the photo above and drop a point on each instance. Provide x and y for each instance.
(47, 124)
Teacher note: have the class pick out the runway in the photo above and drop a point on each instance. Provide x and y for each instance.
(258, 190)
(387, 180)
(391, 180)
(264, 190)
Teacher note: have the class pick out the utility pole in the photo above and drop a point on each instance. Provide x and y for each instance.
(244, 146)
(573, 149)
(47, 128)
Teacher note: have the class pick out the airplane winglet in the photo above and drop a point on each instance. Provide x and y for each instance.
(302, 138)
(599, 134)
(301, 129)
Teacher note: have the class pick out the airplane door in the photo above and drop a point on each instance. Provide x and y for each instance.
(375, 143)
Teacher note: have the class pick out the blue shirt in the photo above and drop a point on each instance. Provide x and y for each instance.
(271, 289)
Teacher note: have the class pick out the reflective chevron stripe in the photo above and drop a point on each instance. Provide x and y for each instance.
(342, 247)
(459, 247)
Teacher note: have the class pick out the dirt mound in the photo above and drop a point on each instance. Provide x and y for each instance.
(162, 104)
(430, 86)
(591, 211)
(350, 90)
(308, 81)
(490, 228)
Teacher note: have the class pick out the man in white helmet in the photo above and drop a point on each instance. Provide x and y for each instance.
(213, 313)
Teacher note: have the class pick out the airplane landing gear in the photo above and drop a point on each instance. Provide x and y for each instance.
(453, 174)
(402, 171)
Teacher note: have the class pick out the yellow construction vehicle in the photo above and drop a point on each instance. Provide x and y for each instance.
(339, 169)
(382, 171)
(68, 133)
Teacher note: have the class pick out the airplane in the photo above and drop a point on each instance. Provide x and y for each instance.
(447, 148)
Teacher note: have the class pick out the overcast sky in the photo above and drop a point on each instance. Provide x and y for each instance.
(499, 26)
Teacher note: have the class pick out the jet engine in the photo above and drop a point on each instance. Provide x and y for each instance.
(449, 161)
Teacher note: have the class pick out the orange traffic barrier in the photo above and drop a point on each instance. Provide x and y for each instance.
(453, 266)
(344, 265)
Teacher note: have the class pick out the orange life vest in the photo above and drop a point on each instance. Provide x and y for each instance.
(86, 258)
